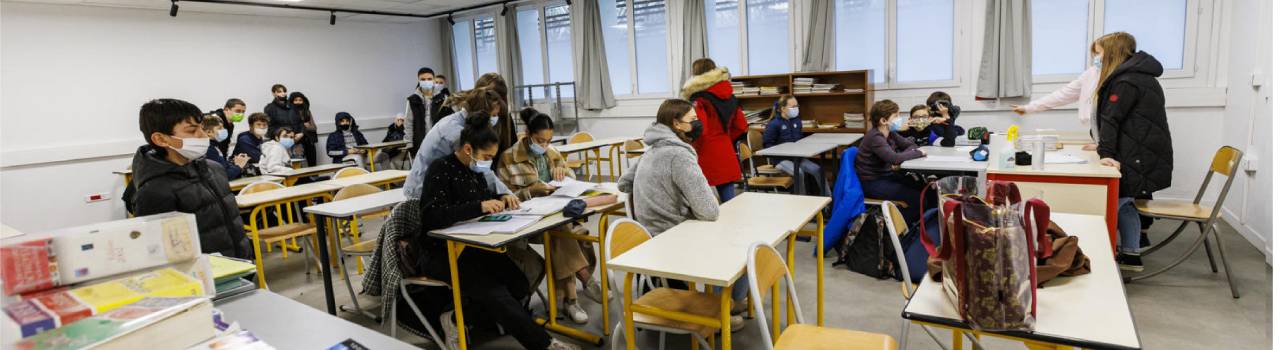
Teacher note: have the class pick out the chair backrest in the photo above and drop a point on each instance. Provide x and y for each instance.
(765, 268)
(1225, 162)
(755, 139)
(897, 227)
(624, 234)
(744, 152)
(580, 137)
(260, 186)
(352, 171)
(356, 190)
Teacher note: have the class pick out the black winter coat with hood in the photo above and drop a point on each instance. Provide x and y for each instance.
(336, 144)
(200, 188)
(1133, 127)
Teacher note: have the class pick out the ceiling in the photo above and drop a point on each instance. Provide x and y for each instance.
(404, 6)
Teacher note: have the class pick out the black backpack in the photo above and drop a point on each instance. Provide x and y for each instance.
(866, 249)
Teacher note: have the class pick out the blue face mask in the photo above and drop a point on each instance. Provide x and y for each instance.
(493, 120)
(222, 135)
(896, 124)
(1097, 62)
(481, 165)
(287, 143)
(537, 149)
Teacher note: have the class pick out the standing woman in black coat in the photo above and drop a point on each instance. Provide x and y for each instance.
(1134, 132)
(305, 126)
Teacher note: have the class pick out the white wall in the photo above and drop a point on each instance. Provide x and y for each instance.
(1200, 115)
(74, 78)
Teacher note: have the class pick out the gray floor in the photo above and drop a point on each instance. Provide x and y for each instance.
(1186, 308)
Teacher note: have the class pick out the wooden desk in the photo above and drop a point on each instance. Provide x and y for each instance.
(1087, 311)
(832, 138)
(615, 148)
(377, 178)
(372, 149)
(347, 209)
(128, 175)
(497, 242)
(287, 324)
(1089, 188)
(258, 201)
(238, 184)
(797, 152)
(292, 176)
(934, 162)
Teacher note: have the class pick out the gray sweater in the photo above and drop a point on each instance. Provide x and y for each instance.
(670, 187)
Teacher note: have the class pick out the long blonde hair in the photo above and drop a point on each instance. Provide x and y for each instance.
(1116, 48)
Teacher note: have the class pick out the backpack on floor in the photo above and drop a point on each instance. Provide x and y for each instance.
(866, 249)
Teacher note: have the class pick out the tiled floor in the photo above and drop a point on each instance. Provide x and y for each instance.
(1186, 308)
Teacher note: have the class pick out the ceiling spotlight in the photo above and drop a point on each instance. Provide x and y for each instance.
(450, 19)
(333, 17)
(173, 8)
(504, 9)
(568, 2)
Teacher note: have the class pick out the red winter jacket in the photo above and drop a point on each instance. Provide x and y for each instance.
(716, 154)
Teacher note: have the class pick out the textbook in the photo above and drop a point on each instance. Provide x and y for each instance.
(167, 282)
(225, 268)
(151, 323)
(83, 253)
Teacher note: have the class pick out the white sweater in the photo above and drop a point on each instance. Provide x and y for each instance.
(1080, 91)
(275, 158)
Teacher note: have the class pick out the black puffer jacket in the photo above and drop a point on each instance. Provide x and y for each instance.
(200, 188)
(1133, 127)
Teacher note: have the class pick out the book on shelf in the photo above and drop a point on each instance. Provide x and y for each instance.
(150, 323)
(83, 253)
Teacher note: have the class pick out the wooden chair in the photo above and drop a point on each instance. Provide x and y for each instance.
(288, 228)
(347, 172)
(625, 234)
(898, 227)
(765, 269)
(579, 164)
(1225, 162)
(626, 156)
(755, 140)
(752, 180)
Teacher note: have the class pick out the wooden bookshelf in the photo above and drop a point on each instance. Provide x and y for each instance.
(853, 94)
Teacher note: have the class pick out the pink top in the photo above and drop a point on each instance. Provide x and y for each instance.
(1079, 90)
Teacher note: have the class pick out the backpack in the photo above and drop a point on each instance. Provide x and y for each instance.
(866, 249)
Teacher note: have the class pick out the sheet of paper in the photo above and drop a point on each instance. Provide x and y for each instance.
(541, 206)
(948, 159)
(571, 188)
(1062, 158)
(481, 228)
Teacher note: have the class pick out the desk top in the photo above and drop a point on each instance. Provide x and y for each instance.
(495, 240)
(1091, 169)
(941, 159)
(370, 178)
(575, 147)
(123, 172)
(358, 205)
(833, 138)
(797, 149)
(315, 170)
(785, 212)
(287, 324)
(251, 200)
(379, 145)
(237, 184)
(1089, 311)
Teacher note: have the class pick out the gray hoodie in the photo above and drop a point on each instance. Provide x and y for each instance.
(670, 187)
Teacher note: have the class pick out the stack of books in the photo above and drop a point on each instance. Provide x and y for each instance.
(854, 120)
(817, 88)
(750, 91)
(737, 87)
(150, 323)
(809, 123)
(802, 85)
(758, 116)
(769, 90)
(230, 276)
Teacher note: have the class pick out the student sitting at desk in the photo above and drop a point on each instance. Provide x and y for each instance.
(917, 128)
(942, 119)
(527, 167)
(385, 157)
(250, 141)
(667, 186)
(171, 174)
(442, 140)
(275, 152)
(212, 125)
(456, 190)
(342, 143)
(785, 126)
(880, 153)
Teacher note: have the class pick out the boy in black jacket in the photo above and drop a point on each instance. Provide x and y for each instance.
(342, 143)
(171, 174)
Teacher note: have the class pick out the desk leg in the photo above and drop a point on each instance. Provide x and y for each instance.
(821, 265)
(725, 309)
(629, 327)
(322, 239)
(257, 247)
(604, 275)
(957, 340)
(1113, 208)
(454, 250)
(791, 265)
(798, 188)
(372, 154)
(551, 280)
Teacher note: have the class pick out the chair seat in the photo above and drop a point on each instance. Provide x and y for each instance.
(768, 169)
(1173, 209)
(685, 301)
(772, 181)
(363, 248)
(873, 201)
(424, 281)
(286, 231)
(574, 163)
(810, 337)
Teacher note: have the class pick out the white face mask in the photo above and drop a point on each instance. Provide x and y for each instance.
(193, 147)
(493, 120)
(1097, 61)
(427, 84)
(481, 165)
(261, 132)
(793, 112)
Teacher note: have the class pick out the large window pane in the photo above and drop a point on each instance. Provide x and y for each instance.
(651, 46)
(530, 49)
(925, 46)
(559, 47)
(768, 37)
(1159, 26)
(860, 36)
(722, 34)
(462, 54)
(613, 21)
(1059, 36)
(486, 46)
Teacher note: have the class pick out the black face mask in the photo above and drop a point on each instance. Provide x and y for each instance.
(344, 127)
(696, 131)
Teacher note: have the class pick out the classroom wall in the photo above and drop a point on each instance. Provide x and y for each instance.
(75, 76)
(1200, 116)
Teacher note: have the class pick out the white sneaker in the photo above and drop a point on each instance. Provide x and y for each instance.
(737, 323)
(575, 312)
(450, 330)
(592, 291)
(556, 344)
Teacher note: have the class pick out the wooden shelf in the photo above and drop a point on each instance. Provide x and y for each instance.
(823, 94)
(752, 97)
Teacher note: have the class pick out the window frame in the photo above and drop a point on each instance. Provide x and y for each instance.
(959, 7)
(1096, 27)
(471, 36)
(540, 7)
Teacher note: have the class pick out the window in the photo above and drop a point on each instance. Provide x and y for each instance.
(462, 55)
(768, 40)
(1059, 36)
(722, 34)
(486, 46)
(1161, 32)
(923, 49)
(545, 51)
(635, 33)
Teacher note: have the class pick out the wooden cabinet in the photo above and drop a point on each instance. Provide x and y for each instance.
(852, 94)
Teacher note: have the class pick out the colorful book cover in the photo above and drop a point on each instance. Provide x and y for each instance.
(28, 266)
(30, 318)
(64, 307)
(165, 282)
(95, 330)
